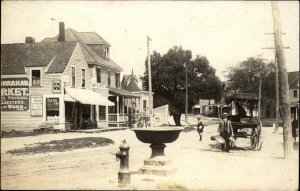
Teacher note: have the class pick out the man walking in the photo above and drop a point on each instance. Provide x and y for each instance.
(200, 127)
(226, 131)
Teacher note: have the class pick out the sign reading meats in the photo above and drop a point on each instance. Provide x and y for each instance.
(14, 94)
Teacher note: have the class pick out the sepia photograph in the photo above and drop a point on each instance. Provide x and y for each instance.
(149, 95)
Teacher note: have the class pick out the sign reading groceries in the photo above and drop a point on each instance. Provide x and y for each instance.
(14, 94)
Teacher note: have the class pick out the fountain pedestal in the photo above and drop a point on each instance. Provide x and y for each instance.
(158, 163)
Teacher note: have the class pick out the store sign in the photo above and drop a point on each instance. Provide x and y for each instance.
(36, 105)
(100, 85)
(14, 94)
(56, 86)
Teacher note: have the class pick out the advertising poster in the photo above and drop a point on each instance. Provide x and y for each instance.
(36, 105)
(14, 94)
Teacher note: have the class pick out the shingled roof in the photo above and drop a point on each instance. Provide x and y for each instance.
(15, 57)
(87, 40)
(130, 83)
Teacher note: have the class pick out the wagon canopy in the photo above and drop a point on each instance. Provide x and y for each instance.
(242, 96)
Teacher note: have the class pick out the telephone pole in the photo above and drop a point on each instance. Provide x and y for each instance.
(276, 86)
(283, 80)
(186, 95)
(150, 83)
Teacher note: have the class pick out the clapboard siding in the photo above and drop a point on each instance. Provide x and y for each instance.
(78, 60)
(19, 120)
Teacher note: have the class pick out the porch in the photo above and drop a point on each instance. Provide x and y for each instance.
(127, 110)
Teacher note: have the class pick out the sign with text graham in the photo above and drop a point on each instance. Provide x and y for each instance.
(14, 94)
(36, 105)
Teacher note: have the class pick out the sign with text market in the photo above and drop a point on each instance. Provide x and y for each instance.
(14, 94)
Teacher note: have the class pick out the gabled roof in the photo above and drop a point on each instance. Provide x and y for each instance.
(87, 40)
(15, 57)
(293, 80)
(130, 83)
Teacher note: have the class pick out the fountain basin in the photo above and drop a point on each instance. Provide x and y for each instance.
(158, 163)
(157, 135)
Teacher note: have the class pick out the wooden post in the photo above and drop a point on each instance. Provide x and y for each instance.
(277, 95)
(118, 111)
(283, 80)
(150, 84)
(186, 95)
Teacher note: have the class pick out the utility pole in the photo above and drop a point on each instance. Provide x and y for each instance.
(283, 80)
(150, 83)
(186, 95)
(259, 94)
(276, 86)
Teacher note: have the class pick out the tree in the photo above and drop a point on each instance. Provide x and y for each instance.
(168, 80)
(245, 78)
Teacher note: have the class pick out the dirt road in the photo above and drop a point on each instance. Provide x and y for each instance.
(200, 165)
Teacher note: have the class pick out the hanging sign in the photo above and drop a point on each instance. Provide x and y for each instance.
(14, 94)
(56, 86)
(36, 105)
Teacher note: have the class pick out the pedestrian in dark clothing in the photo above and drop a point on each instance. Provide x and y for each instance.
(294, 127)
(226, 132)
(200, 127)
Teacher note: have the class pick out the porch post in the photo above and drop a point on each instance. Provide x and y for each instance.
(117, 111)
(123, 106)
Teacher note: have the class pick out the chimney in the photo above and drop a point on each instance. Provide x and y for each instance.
(29, 39)
(61, 36)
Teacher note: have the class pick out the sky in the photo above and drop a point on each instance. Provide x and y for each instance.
(223, 31)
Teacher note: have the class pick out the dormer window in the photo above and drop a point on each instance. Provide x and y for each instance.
(36, 77)
(106, 52)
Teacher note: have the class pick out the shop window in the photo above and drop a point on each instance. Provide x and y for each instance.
(73, 77)
(83, 78)
(35, 77)
(52, 109)
(102, 112)
(98, 74)
(295, 93)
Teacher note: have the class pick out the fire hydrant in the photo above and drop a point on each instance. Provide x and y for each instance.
(123, 155)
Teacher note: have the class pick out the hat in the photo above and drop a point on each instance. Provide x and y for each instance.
(198, 117)
(224, 115)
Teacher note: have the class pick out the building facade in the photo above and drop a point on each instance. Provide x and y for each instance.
(67, 80)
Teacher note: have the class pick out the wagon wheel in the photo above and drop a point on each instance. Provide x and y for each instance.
(253, 142)
(253, 139)
(259, 143)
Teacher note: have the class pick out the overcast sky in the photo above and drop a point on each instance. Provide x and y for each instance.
(225, 32)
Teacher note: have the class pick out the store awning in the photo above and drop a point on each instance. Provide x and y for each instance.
(85, 96)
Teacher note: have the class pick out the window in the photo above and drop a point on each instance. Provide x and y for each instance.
(98, 75)
(83, 78)
(144, 105)
(117, 80)
(102, 112)
(52, 109)
(73, 77)
(106, 52)
(35, 77)
(108, 78)
(295, 93)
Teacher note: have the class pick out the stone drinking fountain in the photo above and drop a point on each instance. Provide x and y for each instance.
(158, 163)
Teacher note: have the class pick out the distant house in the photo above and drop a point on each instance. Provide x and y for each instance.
(130, 83)
(293, 78)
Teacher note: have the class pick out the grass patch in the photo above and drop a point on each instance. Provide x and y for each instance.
(62, 145)
(14, 133)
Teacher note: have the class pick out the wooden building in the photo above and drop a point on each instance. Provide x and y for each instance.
(66, 79)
